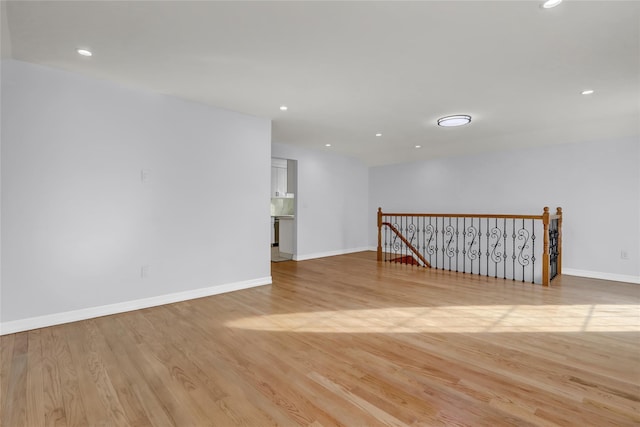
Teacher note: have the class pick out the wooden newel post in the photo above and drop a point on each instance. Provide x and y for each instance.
(559, 213)
(379, 234)
(546, 259)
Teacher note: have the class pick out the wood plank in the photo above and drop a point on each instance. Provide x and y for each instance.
(75, 404)
(35, 382)
(16, 406)
(54, 412)
(6, 361)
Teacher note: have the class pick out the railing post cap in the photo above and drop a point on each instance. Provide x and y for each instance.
(546, 209)
(559, 210)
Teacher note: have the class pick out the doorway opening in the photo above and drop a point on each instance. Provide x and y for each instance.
(284, 191)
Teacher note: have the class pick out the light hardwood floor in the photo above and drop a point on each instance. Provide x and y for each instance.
(342, 341)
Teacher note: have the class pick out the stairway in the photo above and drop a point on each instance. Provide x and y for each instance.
(407, 259)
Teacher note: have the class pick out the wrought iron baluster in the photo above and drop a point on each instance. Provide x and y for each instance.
(464, 245)
(487, 253)
(473, 236)
(421, 248)
(443, 244)
(449, 233)
(413, 241)
(384, 235)
(384, 240)
(408, 237)
(523, 258)
(396, 245)
(390, 220)
(403, 231)
(406, 234)
(513, 250)
(400, 242)
(418, 234)
(504, 250)
(389, 237)
(495, 254)
(523, 247)
(479, 245)
(457, 242)
(533, 251)
(406, 246)
(387, 256)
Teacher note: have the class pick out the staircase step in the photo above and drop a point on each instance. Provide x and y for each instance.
(408, 259)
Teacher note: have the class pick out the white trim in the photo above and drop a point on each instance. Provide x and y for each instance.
(600, 275)
(330, 253)
(121, 307)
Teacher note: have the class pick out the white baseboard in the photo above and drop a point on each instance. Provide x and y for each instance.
(600, 275)
(106, 310)
(330, 253)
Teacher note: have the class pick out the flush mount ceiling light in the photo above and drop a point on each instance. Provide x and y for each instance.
(551, 3)
(458, 120)
(587, 92)
(284, 108)
(327, 145)
(418, 146)
(84, 52)
(378, 134)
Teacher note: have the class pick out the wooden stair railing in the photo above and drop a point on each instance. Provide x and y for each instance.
(408, 244)
(494, 245)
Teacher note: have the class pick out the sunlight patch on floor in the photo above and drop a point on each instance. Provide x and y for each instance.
(454, 319)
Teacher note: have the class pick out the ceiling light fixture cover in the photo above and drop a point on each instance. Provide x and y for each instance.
(587, 92)
(551, 3)
(284, 108)
(84, 52)
(457, 120)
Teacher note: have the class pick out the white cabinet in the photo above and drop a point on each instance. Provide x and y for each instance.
(281, 178)
(278, 177)
(274, 181)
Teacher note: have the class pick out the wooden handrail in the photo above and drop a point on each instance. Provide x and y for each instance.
(498, 216)
(406, 242)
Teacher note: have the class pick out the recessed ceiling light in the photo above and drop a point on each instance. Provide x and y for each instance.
(418, 146)
(587, 92)
(378, 134)
(551, 3)
(284, 108)
(84, 52)
(458, 120)
(327, 145)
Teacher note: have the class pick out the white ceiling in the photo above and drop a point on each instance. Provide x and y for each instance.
(348, 70)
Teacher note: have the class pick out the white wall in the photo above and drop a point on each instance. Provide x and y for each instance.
(596, 183)
(78, 224)
(331, 212)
